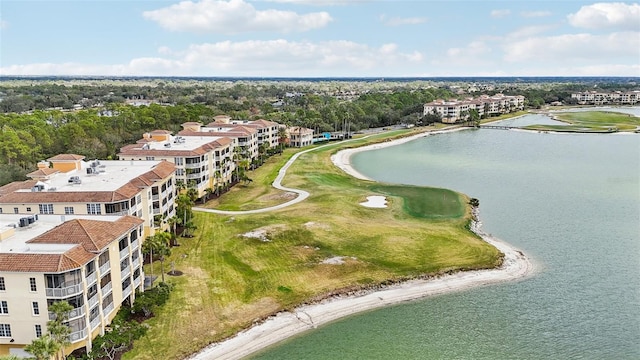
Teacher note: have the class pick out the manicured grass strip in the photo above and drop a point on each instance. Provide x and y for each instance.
(426, 203)
(592, 121)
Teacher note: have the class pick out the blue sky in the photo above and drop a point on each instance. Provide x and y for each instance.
(316, 38)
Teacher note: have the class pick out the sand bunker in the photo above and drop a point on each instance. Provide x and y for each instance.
(375, 201)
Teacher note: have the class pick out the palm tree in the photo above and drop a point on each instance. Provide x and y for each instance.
(58, 330)
(42, 348)
(474, 117)
(158, 244)
(207, 194)
(282, 138)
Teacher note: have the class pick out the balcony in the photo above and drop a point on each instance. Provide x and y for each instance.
(155, 197)
(136, 262)
(156, 211)
(134, 245)
(93, 300)
(192, 165)
(108, 309)
(194, 175)
(76, 312)
(127, 291)
(94, 323)
(136, 281)
(124, 253)
(64, 292)
(126, 271)
(105, 268)
(106, 289)
(91, 278)
(77, 335)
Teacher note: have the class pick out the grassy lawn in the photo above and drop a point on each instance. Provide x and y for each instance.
(230, 281)
(592, 121)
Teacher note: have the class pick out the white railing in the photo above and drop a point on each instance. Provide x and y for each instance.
(91, 278)
(136, 281)
(127, 291)
(106, 289)
(155, 197)
(126, 271)
(74, 313)
(134, 244)
(104, 268)
(192, 165)
(64, 292)
(156, 211)
(77, 335)
(107, 310)
(93, 300)
(124, 253)
(136, 262)
(95, 322)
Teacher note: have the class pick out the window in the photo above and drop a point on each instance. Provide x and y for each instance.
(68, 210)
(179, 161)
(32, 284)
(45, 208)
(38, 330)
(15, 210)
(5, 330)
(150, 158)
(4, 308)
(2, 287)
(35, 307)
(0, 210)
(93, 209)
(28, 209)
(179, 172)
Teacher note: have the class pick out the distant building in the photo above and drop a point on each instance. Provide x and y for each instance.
(299, 136)
(602, 98)
(456, 110)
(93, 263)
(72, 186)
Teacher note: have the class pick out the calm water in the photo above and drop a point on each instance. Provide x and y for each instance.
(572, 202)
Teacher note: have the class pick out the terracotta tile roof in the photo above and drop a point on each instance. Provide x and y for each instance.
(191, 123)
(17, 185)
(265, 122)
(66, 157)
(42, 172)
(160, 131)
(90, 236)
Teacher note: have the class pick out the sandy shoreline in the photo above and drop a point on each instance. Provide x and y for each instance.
(287, 324)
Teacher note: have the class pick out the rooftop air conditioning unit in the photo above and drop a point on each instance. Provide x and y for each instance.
(90, 170)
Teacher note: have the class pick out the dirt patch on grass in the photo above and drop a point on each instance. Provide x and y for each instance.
(263, 233)
(282, 196)
(317, 225)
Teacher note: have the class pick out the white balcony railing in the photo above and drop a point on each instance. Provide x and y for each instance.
(76, 312)
(65, 291)
(124, 253)
(108, 309)
(95, 322)
(156, 211)
(105, 268)
(192, 165)
(77, 335)
(155, 197)
(136, 262)
(106, 289)
(127, 291)
(126, 271)
(93, 300)
(134, 244)
(136, 281)
(91, 278)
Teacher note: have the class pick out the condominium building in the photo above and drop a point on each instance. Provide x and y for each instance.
(201, 161)
(92, 263)
(245, 137)
(455, 110)
(68, 185)
(601, 98)
(299, 136)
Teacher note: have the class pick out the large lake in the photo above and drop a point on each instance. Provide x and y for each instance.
(571, 202)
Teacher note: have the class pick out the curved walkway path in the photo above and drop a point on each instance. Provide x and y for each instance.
(277, 183)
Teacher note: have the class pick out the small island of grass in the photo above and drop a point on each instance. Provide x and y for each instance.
(239, 270)
(591, 122)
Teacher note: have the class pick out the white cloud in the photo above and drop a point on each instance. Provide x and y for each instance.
(233, 16)
(528, 31)
(473, 49)
(571, 47)
(534, 14)
(248, 58)
(607, 15)
(398, 21)
(500, 13)
(316, 2)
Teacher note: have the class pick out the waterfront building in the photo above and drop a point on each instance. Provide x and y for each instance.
(93, 263)
(299, 136)
(203, 162)
(456, 110)
(602, 98)
(68, 185)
